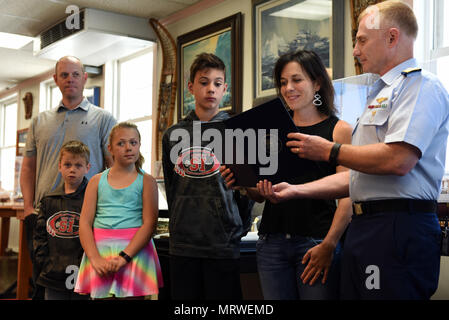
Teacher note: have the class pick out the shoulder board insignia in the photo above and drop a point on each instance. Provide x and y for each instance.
(408, 71)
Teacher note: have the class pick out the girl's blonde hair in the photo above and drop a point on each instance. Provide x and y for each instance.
(128, 125)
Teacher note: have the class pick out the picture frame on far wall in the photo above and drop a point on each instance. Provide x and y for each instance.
(93, 95)
(281, 26)
(20, 141)
(224, 39)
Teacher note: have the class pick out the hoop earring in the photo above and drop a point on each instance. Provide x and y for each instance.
(317, 101)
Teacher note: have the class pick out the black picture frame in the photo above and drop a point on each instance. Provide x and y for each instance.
(231, 25)
(335, 47)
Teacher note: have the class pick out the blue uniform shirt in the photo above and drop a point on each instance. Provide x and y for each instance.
(411, 107)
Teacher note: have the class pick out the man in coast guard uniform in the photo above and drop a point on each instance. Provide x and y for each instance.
(392, 247)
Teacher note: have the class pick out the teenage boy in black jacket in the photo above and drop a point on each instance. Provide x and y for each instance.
(57, 247)
(205, 222)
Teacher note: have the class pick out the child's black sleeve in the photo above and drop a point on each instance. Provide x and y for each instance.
(40, 240)
(167, 167)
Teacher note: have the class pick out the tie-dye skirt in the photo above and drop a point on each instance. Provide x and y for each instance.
(140, 277)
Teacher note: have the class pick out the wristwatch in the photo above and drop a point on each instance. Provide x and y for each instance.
(334, 154)
(125, 256)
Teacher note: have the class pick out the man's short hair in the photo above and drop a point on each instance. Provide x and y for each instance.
(204, 61)
(395, 14)
(65, 57)
(77, 148)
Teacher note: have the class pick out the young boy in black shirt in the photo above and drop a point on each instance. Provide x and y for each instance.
(205, 222)
(56, 241)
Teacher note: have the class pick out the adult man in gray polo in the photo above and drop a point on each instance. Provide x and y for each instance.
(74, 119)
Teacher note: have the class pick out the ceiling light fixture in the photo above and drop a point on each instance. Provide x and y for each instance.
(13, 41)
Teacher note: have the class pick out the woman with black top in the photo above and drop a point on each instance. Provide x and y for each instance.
(298, 248)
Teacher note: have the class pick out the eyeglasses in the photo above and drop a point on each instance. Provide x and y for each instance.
(65, 75)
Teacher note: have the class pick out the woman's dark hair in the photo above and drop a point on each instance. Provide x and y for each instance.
(315, 70)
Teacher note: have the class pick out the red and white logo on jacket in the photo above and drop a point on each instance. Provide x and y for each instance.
(197, 162)
(64, 224)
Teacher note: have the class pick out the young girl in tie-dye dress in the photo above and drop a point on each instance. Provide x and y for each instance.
(117, 221)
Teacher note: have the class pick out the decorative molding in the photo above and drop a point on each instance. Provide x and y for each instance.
(167, 83)
(28, 104)
(189, 11)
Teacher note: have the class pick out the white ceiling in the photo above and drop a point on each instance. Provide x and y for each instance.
(31, 17)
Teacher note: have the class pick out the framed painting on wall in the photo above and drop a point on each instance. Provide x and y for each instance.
(222, 38)
(281, 26)
(21, 140)
(93, 95)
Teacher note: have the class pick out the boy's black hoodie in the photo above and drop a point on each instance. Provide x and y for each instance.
(56, 240)
(205, 221)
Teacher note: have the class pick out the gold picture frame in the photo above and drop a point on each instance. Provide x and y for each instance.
(21, 140)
